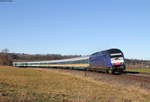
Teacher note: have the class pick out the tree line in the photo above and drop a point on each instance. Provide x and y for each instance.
(136, 63)
(7, 58)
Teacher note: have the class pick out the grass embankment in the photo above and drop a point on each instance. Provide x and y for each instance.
(144, 70)
(43, 85)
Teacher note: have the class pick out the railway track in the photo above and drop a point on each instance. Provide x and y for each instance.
(131, 79)
(141, 77)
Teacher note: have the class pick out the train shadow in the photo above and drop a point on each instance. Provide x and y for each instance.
(131, 72)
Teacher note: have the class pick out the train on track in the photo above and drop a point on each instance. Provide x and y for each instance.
(110, 61)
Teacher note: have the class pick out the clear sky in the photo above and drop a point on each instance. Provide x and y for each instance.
(76, 26)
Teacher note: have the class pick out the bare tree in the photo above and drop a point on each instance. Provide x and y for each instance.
(5, 50)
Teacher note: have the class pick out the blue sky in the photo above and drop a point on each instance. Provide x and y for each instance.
(76, 26)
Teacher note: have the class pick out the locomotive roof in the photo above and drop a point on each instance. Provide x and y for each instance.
(110, 51)
(114, 51)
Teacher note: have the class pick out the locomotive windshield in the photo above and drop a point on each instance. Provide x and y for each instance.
(116, 55)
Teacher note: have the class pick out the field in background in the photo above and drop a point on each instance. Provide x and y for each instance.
(144, 70)
(44, 85)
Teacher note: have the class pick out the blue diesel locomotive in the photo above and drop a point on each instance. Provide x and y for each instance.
(110, 61)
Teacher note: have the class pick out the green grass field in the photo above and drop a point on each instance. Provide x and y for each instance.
(44, 85)
(145, 70)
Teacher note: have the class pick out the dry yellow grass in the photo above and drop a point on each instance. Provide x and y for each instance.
(43, 85)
